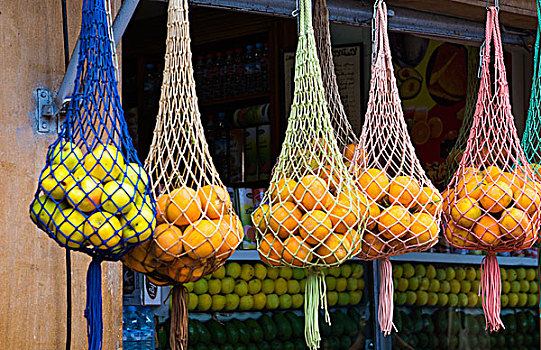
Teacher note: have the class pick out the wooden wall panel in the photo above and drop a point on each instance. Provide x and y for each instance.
(32, 294)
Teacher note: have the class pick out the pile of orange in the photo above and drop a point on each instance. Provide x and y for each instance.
(196, 231)
(403, 214)
(492, 208)
(309, 220)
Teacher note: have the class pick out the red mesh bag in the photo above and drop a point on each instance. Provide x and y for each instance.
(405, 206)
(492, 201)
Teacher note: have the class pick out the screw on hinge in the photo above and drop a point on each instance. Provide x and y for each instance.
(45, 110)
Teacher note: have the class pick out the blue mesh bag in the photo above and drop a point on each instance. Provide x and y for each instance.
(93, 194)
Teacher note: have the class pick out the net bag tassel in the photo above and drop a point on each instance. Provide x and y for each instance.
(179, 318)
(311, 216)
(386, 293)
(405, 207)
(197, 228)
(490, 290)
(492, 202)
(93, 310)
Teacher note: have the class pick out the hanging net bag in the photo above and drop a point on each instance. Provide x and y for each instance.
(492, 201)
(345, 136)
(93, 194)
(405, 207)
(455, 155)
(312, 216)
(531, 139)
(197, 229)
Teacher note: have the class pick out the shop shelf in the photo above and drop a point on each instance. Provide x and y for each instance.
(443, 258)
(231, 99)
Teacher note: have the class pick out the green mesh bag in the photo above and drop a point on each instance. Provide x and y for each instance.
(312, 216)
(455, 155)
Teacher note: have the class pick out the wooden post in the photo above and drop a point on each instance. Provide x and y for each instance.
(32, 266)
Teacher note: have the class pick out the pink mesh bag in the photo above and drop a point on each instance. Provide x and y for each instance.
(405, 207)
(492, 201)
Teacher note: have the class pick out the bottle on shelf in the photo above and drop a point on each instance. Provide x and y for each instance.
(265, 67)
(228, 73)
(221, 148)
(249, 69)
(200, 74)
(210, 134)
(217, 88)
(257, 66)
(239, 79)
(210, 77)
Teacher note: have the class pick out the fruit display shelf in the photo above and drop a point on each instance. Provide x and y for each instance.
(252, 286)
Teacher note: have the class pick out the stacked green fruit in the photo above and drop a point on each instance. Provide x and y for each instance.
(427, 285)
(276, 331)
(451, 329)
(256, 287)
(94, 199)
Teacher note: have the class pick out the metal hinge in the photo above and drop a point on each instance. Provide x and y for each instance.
(46, 111)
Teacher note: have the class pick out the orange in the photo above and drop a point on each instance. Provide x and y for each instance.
(496, 196)
(458, 236)
(157, 282)
(335, 249)
(215, 201)
(372, 245)
(296, 252)
(374, 213)
(315, 227)
(232, 233)
(184, 208)
(181, 268)
(283, 190)
(493, 173)
(514, 222)
(284, 219)
(167, 242)
(394, 222)
(140, 259)
(529, 239)
(374, 183)
(349, 152)
(430, 200)
(527, 198)
(202, 239)
(487, 230)
(345, 211)
(465, 212)
(330, 175)
(470, 186)
(260, 218)
(311, 193)
(424, 227)
(161, 206)
(448, 200)
(404, 190)
(270, 249)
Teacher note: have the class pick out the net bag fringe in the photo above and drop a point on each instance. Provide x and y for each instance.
(197, 229)
(492, 201)
(312, 215)
(405, 207)
(93, 194)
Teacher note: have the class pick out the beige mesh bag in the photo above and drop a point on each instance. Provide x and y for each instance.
(197, 229)
(405, 207)
(312, 216)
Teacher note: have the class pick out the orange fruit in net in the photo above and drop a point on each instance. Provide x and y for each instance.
(215, 201)
(335, 249)
(448, 200)
(167, 242)
(330, 176)
(374, 183)
(374, 214)
(184, 208)
(157, 282)
(470, 186)
(284, 219)
(296, 252)
(315, 227)
(344, 212)
(515, 222)
(459, 237)
(404, 190)
(270, 249)
(260, 217)
(493, 173)
(232, 234)
(311, 193)
(202, 239)
(423, 227)
(161, 206)
(465, 212)
(394, 222)
(180, 269)
(140, 259)
(529, 240)
(527, 198)
(372, 245)
(487, 231)
(349, 152)
(283, 190)
(496, 196)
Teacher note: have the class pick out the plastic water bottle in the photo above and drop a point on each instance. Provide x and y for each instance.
(219, 80)
(130, 328)
(228, 73)
(239, 85)
(146, 322)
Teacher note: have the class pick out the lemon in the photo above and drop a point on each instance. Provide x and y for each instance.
(285, 301)
(218, 302)
(465, 286)
(462, 300)
(522, 299)
(402, 285)
(303, 285)
(273, 273)
(346, 270)
(260, 300)
(524, 286)
(411, 297)
(241, 288)
(360, 284)
(420, 270)
(434, 286)
(513, 299)
(204, 302)
(343, 299)
(453, 300)
(455, 286)
(260, 271)
(232, 302)
(267, 286)
(504, 300)
(330, 281)
(432, 299)
(298, 273)
(341, 284)
(189, 286)
(273, 301)
(228, 285)
(430, 272)
(293, 287)
(460, 273)
(280, 286)
(355, 297)
(332, 298)
(286, 272)
(201, 286)
(473, 299)
(254, 286)
(422, 298)
(358, 270)
(443, 299)
(409, 270)
(219, 273)
(400, 298)
(192, 304)
(297, 300)
(352, 284)
(214, 286)
(471, 274)
(247, 272)
(233, 269)
(246, 303)
(334, 271)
